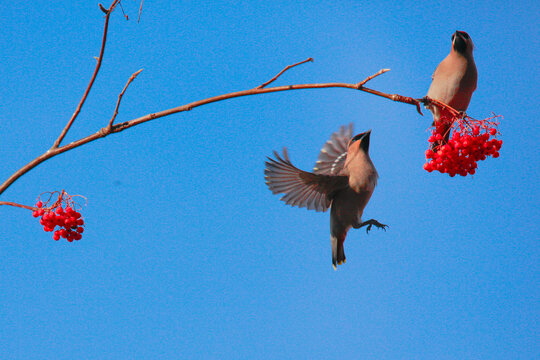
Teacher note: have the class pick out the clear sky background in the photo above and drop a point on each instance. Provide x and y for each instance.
(187, 254)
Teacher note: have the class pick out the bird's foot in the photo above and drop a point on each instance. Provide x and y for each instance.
(372, 222)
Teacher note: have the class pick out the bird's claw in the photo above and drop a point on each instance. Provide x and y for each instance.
(372, 222)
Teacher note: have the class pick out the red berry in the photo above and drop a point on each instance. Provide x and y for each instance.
(496, 154)
(492, 131)
(39, 204)
(80, 230)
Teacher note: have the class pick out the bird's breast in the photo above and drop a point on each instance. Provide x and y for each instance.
(363, 180)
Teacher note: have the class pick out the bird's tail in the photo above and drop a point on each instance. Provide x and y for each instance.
(338, 251)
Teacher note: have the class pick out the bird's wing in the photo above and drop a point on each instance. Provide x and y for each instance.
(332, 156)
(301, 188)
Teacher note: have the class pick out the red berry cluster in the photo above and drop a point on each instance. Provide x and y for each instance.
(471, 141)
(68, 220)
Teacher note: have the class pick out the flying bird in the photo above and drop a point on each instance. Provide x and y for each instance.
(343, 179)
(453, 82)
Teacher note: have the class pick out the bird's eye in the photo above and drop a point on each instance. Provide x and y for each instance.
(357, 137)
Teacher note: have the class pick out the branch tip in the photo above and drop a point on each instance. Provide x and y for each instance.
(363, 82)
(282, 71)
(131, 78)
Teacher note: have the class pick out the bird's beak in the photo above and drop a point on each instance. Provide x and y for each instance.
(364, 143)
(366, 134)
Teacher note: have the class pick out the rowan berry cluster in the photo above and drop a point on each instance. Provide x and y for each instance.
(470, 141)
(68, 220)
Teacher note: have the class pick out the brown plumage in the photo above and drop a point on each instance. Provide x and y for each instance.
(453, 81)
(343, 178)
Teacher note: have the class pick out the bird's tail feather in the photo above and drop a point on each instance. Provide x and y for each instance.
(338, 251)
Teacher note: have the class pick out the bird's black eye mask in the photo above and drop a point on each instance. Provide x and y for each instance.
(357, 137)
(464, 34)
(365, 140)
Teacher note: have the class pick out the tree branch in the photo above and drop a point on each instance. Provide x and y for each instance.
(113, 129)
(96, 70)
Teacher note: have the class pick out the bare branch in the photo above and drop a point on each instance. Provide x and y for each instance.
(98, 65)
(131, 78)
(128, 124)
(282, 71)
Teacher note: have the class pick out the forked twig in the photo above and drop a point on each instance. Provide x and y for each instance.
(96, 70)
(112, 128)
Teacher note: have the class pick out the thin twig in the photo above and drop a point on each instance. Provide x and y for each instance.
(98, 65)
(380, 72)
(282, 71)
(140, 10)
(123, 13)
(131, 78)
(18, 205)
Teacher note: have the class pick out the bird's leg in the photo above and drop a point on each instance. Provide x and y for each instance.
(372, 222)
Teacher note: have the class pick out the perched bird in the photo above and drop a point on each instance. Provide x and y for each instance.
(343, 178)
(453, 82)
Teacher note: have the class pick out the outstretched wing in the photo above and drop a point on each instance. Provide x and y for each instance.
(332, 157)
(301, 188)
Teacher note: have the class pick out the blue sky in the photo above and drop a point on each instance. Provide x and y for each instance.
(187, 254)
